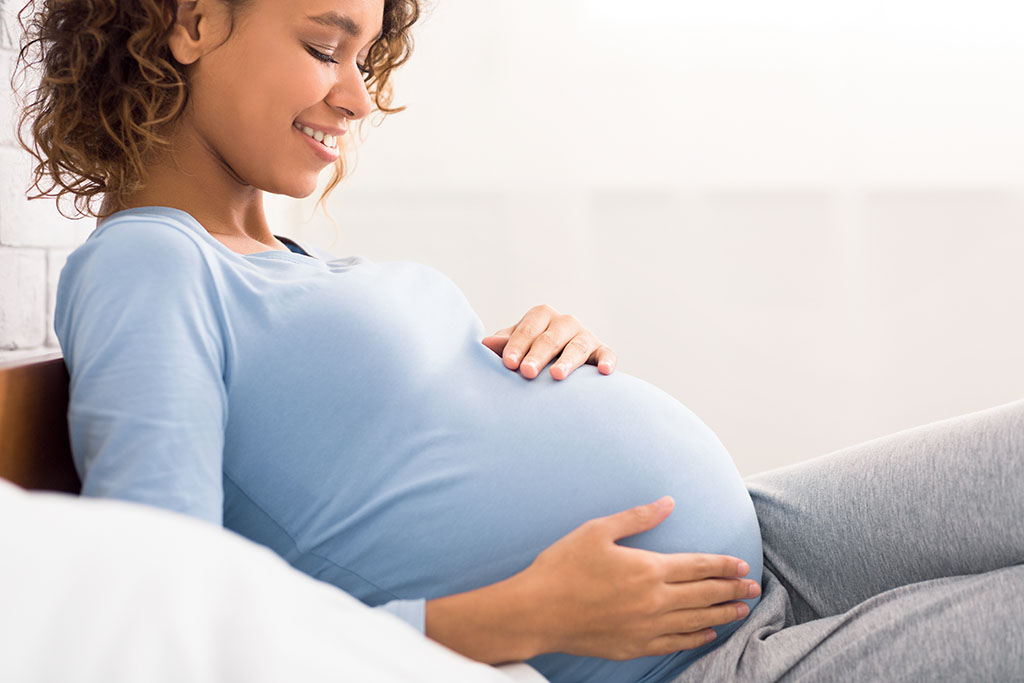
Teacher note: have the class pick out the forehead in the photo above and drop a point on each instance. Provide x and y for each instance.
(351, 18)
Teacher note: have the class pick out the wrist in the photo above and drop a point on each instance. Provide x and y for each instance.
(495, 624)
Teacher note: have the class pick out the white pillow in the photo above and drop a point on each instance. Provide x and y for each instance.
(96, 591)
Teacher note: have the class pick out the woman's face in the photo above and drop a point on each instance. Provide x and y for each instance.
(247, 94)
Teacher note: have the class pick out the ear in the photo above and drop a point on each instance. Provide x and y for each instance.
(200, 25)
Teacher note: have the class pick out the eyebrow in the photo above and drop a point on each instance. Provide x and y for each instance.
(336, 20)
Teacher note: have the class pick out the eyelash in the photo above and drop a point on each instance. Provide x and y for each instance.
(321, 57)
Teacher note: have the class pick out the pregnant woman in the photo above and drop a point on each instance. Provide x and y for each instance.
(345, 413)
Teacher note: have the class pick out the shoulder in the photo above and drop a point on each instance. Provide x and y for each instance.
(136, 273)
(139, 251)
(151, 260)
(142, 242)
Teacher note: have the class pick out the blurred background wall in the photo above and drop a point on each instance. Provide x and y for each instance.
(803, 219)
(35, 240)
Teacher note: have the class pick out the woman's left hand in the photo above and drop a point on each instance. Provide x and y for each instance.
(542, 334)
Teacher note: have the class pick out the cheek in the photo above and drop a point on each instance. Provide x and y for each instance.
(306, 88)
(246, 110)
(288, 78)
(264, 95)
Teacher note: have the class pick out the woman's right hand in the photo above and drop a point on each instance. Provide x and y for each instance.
(597, 598)
(587, 595)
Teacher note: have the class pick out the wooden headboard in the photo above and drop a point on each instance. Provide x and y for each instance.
(34, 448)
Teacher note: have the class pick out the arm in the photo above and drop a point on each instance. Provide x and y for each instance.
(148, 347)
(142, 337)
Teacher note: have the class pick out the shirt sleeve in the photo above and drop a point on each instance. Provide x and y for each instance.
(143, 334)
(141, 331)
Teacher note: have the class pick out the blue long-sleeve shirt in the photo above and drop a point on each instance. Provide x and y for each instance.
(344, 413)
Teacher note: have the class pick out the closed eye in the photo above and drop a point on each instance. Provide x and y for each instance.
(320, 56)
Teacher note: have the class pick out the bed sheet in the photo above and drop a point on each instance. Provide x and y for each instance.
(104, 591)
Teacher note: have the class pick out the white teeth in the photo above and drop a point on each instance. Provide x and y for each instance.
(323, 138)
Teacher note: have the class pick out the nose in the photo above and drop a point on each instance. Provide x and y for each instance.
(350, 95)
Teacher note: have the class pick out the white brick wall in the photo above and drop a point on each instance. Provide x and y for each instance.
(34, 238)
(22, 297)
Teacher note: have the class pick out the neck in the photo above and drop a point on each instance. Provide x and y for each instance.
(192, 177)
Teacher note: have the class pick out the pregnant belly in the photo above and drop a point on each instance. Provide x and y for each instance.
(500, 467)
(450, 482)
(517, 464)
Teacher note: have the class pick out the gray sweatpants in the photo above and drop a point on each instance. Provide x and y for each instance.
(896, 560)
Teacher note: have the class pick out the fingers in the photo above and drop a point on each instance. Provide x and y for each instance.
(708, 592)
(688, 629)
(524, 332)
(690, 620)
(498, 341)
(696, 566)
(605, 358)
(580, 349)
(635, 520)
(541, 335)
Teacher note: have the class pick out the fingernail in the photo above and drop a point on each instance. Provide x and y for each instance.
(742, 610)
(742, 568)
(755, 590)
(663, 502)
(513, 357)
(709, 636)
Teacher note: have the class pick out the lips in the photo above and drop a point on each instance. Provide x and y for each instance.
(323, 152)
(328, 140)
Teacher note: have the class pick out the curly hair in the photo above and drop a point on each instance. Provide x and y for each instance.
(110, 89)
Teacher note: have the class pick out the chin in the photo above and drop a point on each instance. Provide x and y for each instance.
(299, 188)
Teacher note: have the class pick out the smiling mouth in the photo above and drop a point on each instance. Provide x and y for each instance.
(328, 141)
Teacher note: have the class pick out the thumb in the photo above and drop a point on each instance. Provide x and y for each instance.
(639, 519)
(496, 342)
